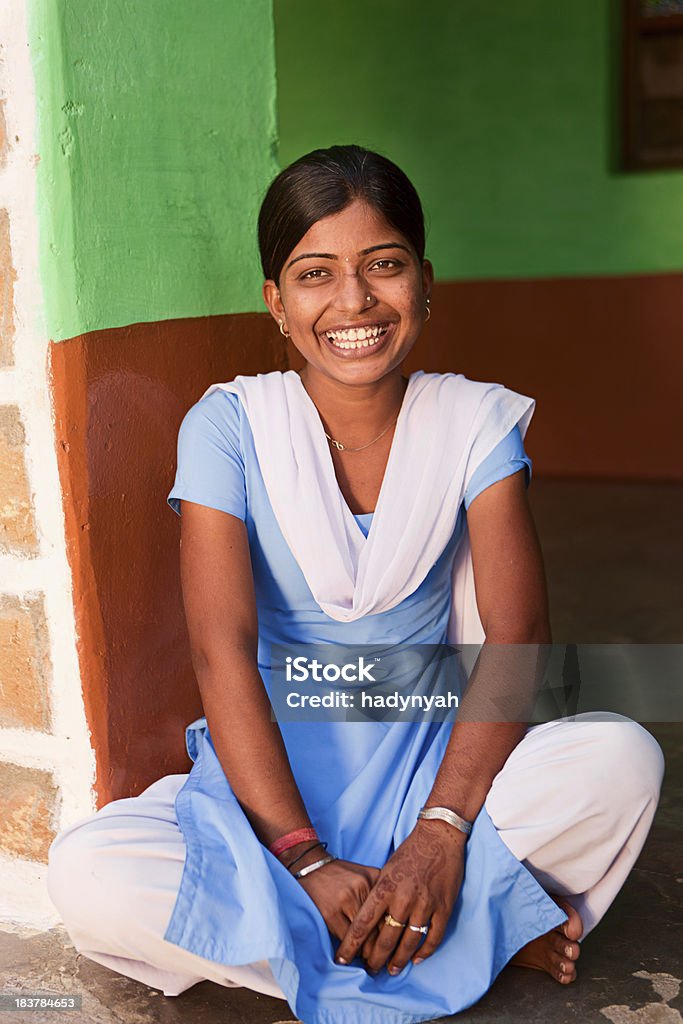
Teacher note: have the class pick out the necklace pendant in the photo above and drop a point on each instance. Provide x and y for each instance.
(338, 445)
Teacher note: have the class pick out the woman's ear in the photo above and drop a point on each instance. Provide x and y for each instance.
(272, 299)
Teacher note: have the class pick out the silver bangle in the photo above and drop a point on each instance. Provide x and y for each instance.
(446, 814)
(313, 867)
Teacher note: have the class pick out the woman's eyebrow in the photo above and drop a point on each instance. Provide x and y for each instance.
(331, 256)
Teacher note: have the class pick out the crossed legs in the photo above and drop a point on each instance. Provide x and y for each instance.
(574, 802)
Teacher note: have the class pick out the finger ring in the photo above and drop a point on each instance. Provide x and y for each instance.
(423, 928)
(392, 920)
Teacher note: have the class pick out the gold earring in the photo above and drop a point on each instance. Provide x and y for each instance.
(429, 312)
(285, 334)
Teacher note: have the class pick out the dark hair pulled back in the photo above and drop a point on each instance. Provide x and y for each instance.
(324, 182)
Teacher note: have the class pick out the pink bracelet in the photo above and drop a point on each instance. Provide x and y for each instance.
(291, 839)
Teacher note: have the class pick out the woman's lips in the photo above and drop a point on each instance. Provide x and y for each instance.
(364, 351)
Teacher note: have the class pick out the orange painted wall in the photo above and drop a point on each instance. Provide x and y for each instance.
(119, 397)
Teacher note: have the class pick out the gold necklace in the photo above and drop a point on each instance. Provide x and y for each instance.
(343, 448)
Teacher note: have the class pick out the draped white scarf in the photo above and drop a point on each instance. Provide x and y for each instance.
(446, 426)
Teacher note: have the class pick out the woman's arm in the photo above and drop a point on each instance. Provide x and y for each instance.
(222, 620)
(512, 601)
(220, 609)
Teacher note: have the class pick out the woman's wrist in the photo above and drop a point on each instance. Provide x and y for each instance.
(447, 814)
(305, 853)
(435, 828)
(302, 873)
(291, 839)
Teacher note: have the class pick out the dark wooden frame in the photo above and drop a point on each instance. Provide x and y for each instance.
(637, 30)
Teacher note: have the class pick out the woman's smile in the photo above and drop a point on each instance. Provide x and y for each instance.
(361, 341)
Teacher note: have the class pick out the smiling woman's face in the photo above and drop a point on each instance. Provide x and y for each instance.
(352, 272)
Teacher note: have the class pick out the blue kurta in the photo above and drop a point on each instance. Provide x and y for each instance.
(362, 782)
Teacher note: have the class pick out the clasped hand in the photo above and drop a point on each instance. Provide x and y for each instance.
(418, 885)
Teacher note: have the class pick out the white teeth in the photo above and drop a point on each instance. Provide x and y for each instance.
(361, 337)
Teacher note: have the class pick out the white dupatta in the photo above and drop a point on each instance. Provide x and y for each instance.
(446, 426)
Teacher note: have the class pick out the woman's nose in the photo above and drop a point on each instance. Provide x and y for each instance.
(353, 293)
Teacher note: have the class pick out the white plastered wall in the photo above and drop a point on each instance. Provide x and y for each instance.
(66, 752)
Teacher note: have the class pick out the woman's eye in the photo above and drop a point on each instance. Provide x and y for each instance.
(396, 263)
(309, 272)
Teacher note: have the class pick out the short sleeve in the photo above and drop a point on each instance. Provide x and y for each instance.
(210, 467)
(506, 458)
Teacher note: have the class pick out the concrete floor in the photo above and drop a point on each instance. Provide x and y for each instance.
(613, 556)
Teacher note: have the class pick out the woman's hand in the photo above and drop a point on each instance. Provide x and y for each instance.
(339, 889)
(418, 885)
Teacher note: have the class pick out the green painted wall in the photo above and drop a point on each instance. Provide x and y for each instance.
(157, 140)
(503, 114)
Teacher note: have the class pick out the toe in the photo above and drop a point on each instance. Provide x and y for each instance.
(565, 948)
(572, 928)
(564, 969)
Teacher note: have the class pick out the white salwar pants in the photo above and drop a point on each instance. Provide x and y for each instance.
(574, 803)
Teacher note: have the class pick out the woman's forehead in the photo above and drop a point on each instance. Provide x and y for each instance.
(348, 232)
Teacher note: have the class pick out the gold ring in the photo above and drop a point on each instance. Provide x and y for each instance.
(392, 921)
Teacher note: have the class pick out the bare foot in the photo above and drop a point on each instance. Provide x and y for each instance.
(557, 950)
